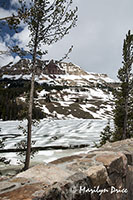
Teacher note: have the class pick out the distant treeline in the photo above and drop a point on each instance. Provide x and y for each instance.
(10, 108)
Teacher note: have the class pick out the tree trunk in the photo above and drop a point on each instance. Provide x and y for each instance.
(29, 125)
(125, 125)
(125, 120)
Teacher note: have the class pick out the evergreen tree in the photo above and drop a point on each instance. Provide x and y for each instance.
(106, 134)
(123, 113)
(48, 22)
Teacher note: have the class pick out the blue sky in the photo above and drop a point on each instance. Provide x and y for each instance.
(97, 39)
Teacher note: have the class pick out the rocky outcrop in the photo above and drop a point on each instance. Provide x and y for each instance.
(72, 69)
(52, 68)
(105, 173)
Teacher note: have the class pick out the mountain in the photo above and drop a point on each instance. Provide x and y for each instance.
(63, 90)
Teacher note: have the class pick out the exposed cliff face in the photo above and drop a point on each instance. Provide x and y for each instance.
(49, 68)
(66, 90)
(72, 69)
(53, 68)
(105, 173)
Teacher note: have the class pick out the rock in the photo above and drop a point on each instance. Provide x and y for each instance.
(113, 162)
(4, 185)
(47, 174)
(98, 174)
(21, 193)
(129, 182)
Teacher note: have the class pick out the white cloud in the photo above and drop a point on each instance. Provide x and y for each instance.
(14, 2)
(5, 13)
(6, 58)
(16, 59)
(7, 38)
(2, 46)
(22, 38)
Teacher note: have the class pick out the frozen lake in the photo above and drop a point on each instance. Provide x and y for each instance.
(53, 133)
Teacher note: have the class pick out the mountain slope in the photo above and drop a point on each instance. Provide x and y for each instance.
(64, 90)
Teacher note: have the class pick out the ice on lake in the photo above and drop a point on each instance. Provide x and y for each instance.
(53, 133)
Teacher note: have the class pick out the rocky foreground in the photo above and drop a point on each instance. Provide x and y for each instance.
(106, 173)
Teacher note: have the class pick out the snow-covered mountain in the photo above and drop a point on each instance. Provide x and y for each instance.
(66, 91)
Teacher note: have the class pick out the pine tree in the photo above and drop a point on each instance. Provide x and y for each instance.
(48, 22)
(123, 113)
(106, 134)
